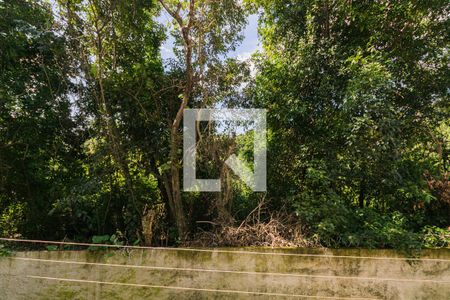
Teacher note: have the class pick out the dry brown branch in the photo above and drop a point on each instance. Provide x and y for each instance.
(279, 231)
(150, 219)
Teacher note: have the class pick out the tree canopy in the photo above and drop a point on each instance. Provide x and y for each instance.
(357, 100)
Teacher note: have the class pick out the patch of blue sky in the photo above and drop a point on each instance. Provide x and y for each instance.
(245, 49)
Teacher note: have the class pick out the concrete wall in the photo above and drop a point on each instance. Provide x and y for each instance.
(225, 274)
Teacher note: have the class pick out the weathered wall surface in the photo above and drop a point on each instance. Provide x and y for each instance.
(225, 274)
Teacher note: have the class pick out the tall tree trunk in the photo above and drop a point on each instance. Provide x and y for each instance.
(224, 199)
(177, 204)
(112, 131)
(362, 196)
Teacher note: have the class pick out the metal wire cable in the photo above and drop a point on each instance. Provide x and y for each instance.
(193, 289)
(229, 271)
(226, 251)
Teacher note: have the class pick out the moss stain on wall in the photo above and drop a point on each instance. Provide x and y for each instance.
(316, 282)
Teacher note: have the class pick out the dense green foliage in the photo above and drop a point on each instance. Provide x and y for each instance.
(357, 99)
(39, 143)
(356, 95)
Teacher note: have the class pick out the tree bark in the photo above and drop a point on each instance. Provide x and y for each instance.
(177, 204)
(113, 133)
(362, 195)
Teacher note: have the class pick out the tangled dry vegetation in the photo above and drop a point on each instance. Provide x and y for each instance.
(267, 234)
(277, 230)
